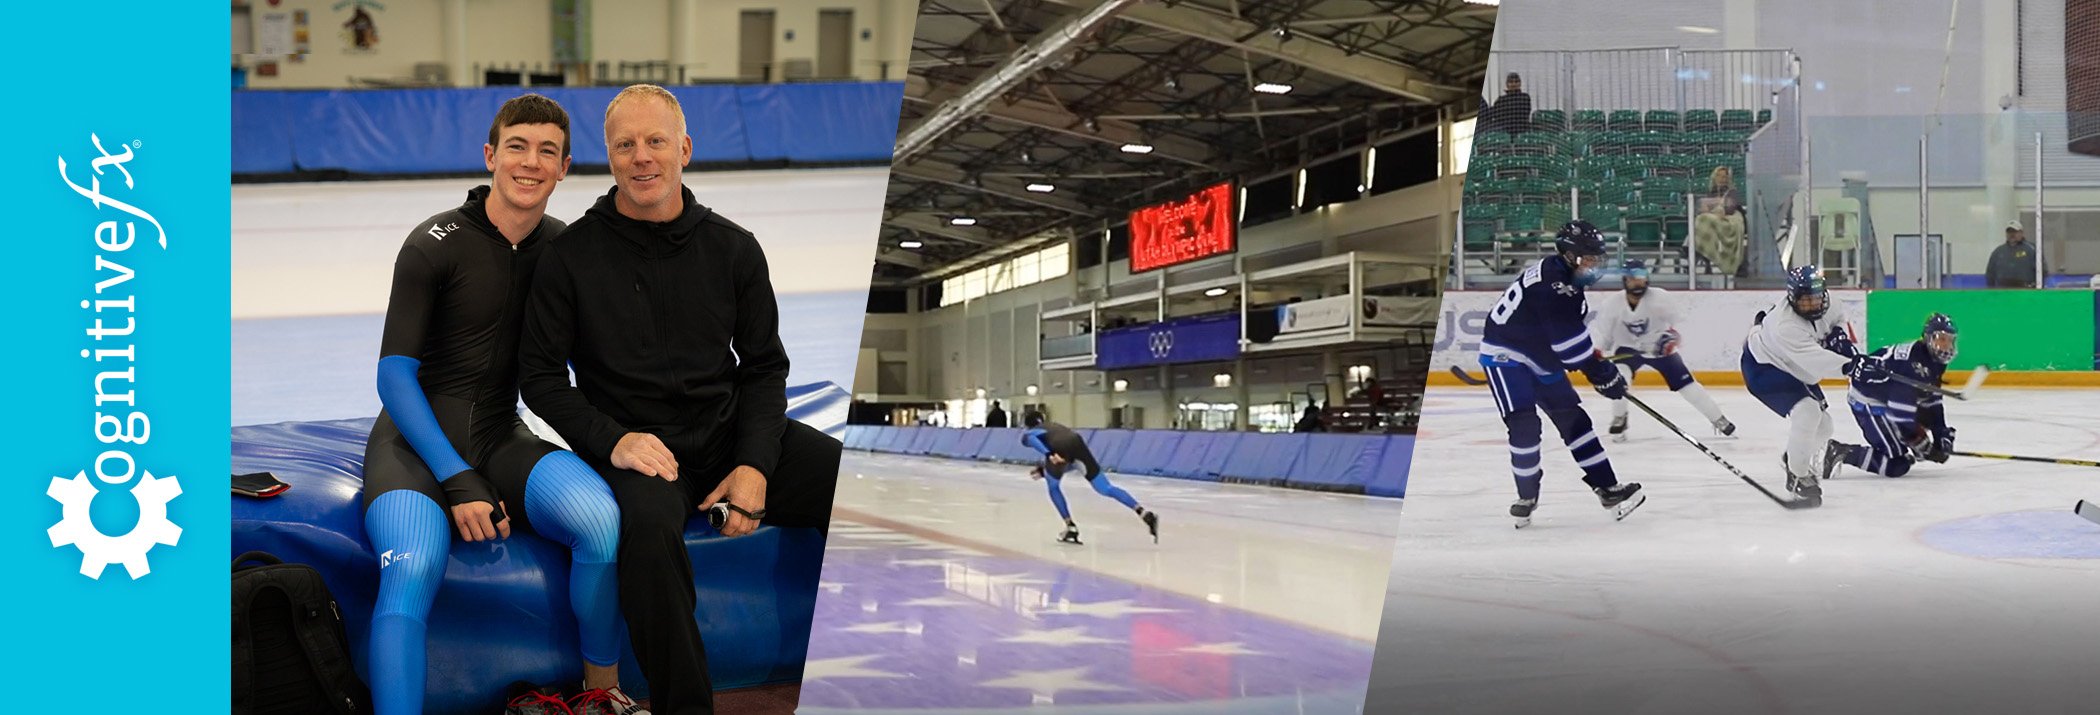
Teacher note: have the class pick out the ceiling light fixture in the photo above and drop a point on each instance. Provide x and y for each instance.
(1137, 148)
(1041, 188)
(962, 221)
(910, 244)
(1272, 88)
(1214, 292)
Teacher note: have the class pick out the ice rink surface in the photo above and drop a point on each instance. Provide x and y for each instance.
(313, 263)
(944, 590)
(1964, 587)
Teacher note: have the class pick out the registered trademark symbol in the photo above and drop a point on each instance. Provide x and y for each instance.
(136, 144)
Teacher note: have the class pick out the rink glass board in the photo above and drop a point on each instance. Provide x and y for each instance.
(2000, 329)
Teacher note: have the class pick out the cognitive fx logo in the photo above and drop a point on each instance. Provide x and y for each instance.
(112, 324)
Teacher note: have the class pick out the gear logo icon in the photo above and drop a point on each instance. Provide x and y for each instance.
(99, 550)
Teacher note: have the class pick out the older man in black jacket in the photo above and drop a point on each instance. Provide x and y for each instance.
(666, 313)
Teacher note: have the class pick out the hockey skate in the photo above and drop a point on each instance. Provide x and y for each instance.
(1805, 487)
(1834, 456)
(1621, 498)
(1618, 428)
(1724, 428)
(1070, 535)
(1152, 523)
(1522, 511)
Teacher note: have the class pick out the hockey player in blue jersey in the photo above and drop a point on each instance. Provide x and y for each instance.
(1902, 424)
(1061, 447)
(1792, 347)
(1534, 335)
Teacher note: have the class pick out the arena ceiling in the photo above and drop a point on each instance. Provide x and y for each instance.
(1005, 94)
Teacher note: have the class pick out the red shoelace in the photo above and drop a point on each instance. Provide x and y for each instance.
(535, 697)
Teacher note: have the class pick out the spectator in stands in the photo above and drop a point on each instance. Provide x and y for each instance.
(996, 417)
(1511, 113)
(2012, 264)
(1718, 230)
(1311, 422)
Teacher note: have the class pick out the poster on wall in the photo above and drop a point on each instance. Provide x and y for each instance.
(273, 34)
(361, 32)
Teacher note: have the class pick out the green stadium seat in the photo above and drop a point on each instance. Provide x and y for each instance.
(1764, 117)
(1737, 120)
(1660, 120)
(1699, 120)
(1549, 120)
(1623, 120)
(1589, 120)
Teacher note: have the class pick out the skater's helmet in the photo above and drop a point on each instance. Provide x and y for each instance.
(1635, 276)
(1582, 246)
(1806, 293)
(1939, 336)
(1032, 419)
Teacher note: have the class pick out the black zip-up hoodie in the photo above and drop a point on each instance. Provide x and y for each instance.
(672, 330)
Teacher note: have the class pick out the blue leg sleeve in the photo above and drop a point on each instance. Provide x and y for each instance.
(571, 505)
(1104, 488)
(405, 402)
(1057, 496)
(412, 538)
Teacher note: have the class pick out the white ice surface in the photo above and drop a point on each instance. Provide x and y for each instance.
(1710, 599)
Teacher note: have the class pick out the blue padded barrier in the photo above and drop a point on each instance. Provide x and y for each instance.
(1108, 446)
(442, 130)
(899, 440)
(1150, 451)
(819, 122)
(1004, 444)
(1337, 462)
(1187, 460)
(502, 614)
(883, 436)
(971, 442)
(262, 139)
(944, 441)
(1391, 477)
(857, 436)
(922, 440)
(1264, 457)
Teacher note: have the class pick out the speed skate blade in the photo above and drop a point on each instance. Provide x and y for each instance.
(1619, 511)
(2089, 510)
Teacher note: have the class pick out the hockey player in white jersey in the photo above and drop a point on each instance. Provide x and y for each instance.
(1639, 329)
(1792, 347)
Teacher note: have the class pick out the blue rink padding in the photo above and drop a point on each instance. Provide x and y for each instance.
(1150, 451)
(442, 130)
(944, 441)
(1264, 458)
(502, 614)
(970, 443)
(1337, 462)
(1390, 480)
(922, 440)
(1109, 446)
(1371, 464)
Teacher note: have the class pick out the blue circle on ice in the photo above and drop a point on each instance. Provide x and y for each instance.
(2017, 535)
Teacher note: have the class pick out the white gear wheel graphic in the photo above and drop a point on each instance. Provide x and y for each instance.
(99, 550)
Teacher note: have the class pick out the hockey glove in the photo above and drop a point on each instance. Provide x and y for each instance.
(1605, 378)
(1869, 369)
(1667, 344)
(468, 487)
(1942, 445)
(1839, 342)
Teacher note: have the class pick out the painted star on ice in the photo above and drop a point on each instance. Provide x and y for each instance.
(1232, 648)
(1051, 682)
(1105, 609)
(1075, 635)
(851, 666)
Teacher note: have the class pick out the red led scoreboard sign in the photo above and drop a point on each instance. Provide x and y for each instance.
(1203, 225)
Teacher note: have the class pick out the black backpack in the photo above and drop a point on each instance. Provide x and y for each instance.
(290, 654)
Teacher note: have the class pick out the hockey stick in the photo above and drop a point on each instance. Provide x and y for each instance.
(1788, 503)
(1469, 379)
(1975, 381)
(2015, 457)
(2089, 510)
